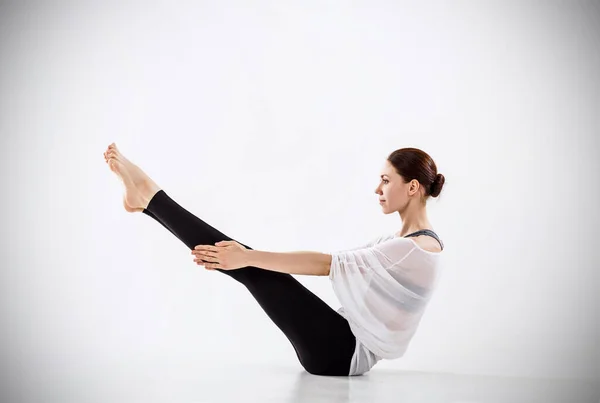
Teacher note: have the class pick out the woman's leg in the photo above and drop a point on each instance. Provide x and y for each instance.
(320, 336)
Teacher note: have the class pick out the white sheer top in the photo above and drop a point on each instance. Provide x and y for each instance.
(384, 288)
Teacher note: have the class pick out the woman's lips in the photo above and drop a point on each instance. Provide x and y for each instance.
(381, 201)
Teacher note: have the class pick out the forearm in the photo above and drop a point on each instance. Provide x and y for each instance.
(304, 262)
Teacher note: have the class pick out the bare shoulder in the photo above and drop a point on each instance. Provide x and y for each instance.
(428, 243)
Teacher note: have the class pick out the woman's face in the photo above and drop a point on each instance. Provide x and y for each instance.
(390, 189)
(393, 191)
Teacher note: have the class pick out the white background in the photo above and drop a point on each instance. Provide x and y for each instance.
(271, 122)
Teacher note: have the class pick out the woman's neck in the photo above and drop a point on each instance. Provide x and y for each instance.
(414, 221)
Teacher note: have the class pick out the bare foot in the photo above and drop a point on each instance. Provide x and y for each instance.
(139, 187)
(132, 199)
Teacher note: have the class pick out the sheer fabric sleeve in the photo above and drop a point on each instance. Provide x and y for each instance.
(384, 289)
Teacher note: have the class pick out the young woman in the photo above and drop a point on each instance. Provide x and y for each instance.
(383, 286)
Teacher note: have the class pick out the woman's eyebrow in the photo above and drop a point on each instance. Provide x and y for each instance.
(383, 175)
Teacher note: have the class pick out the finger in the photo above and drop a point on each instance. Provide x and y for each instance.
(205, 247)
(207, 260)
(203, 255)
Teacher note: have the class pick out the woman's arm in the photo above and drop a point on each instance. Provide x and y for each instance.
(303, 262)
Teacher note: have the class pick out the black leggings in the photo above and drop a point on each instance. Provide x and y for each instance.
(320, 336)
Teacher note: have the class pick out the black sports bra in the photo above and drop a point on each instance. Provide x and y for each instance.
(426, 232)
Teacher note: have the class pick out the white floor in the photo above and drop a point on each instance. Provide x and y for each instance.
(173, 382)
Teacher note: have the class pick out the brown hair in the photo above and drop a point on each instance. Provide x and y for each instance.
(412, 163)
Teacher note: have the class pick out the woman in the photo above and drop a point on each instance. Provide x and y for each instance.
(383, 286)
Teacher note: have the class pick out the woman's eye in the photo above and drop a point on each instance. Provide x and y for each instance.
(385, 181)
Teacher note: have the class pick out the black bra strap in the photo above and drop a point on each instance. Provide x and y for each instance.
(426, 232)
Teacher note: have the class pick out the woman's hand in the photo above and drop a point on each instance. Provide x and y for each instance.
(226, 255)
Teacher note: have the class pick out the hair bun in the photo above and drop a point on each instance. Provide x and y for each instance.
(436, 185)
